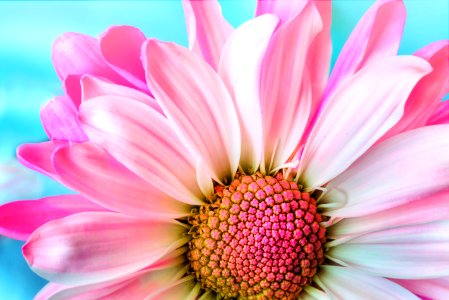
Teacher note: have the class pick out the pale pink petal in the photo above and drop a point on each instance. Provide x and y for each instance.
(139, 285)
(428, 92)
(286, 109)
(407, 252)
(441, 115)
(407, 167)
(77, 54)
(240, 69)
(92, 172)
(358, 114)
(38, 157)
(377, 35)
(284, 10)
(120, 47)
(141, 139)
(20, 218)
(88, 248)
(60, 120)
(437, 288)
(311, 293)
(92, 87)
(207, 29)
(72, 88)
(347, 283)
(420, 211)
(184, 288)
(204, 179)
(197, 104)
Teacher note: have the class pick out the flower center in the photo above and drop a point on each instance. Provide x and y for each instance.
(260, 238)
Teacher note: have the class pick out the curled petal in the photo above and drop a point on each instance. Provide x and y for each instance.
(120, 47)
(60, 120)
(207, 29)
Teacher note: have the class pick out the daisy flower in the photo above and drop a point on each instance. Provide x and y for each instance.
(238, 168)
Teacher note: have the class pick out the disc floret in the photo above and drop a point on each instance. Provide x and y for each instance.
(260, 238)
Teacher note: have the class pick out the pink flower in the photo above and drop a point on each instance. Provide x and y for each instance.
(238, 169)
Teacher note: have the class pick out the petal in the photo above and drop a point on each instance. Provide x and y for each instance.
(20, 218)
(38, 157)
(92, 87)
(404, 168)
(60, 120)
(72, 88)
(120, 47)
(91, 171)
(182, 289)
(284, 10)
(407, 252)
(437, 288)
(88, 248)
(141, 139)
(428, 92)
(286, 110)
(350, 124)
(240, 68)
(420, 211)
(139, 285)
(346, 283)
(207, 29)
(441, 115)
(377, 35)
(311, 293)
(75, 53)
(197, 103)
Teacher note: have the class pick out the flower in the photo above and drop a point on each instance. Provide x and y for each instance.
(237, 168)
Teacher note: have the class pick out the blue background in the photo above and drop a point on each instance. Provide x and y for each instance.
(27, 79)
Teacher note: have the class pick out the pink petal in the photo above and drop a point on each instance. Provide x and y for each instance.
(420, 211)
(428, 92)
(284, 121)
(319, 57)
(377, 35)
(437, 288)
(92, 87)
(139, 285)
(60, 120)
(402, 169)
(72, 88)
(120, 47)
(441, 115)
(312, 293)
(77, 54)
(406, 252)
(20, 218)
(347, 283)
(91, 171)
(88, 248)
(350, 124)
(207, 29)
(38, 157)
(284, 10)
(141, 139)
(239, 68)
(197, 104)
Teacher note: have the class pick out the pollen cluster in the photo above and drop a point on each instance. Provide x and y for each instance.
(260, 239)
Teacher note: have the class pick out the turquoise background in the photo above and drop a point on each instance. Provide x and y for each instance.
(27, 79)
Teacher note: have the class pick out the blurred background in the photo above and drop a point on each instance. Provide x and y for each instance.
(27, 79)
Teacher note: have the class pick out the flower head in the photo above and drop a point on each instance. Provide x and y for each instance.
(237, 169)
